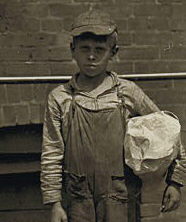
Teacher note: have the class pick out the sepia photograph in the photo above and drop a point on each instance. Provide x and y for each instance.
(92, 110)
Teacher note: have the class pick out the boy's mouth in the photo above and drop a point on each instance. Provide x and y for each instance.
(92, 65)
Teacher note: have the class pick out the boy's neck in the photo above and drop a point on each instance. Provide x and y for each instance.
(87, 83)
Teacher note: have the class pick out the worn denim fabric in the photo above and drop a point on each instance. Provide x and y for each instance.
(56, 126)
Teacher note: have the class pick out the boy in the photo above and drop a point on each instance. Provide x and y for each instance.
(84, 131)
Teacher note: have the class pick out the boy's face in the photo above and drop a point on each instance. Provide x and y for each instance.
(92, 56)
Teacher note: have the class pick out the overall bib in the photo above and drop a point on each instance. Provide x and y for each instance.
(94, 165)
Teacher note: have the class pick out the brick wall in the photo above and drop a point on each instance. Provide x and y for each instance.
(34, 41)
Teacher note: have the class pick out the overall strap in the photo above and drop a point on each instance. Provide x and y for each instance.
(73, 101)
(123, 110)
(121, 99)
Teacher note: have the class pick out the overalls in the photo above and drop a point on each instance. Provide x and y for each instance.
(94, 164)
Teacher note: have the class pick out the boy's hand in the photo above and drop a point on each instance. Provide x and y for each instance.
(58, 213)
(171, 198)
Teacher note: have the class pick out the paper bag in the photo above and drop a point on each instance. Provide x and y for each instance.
(151, 142)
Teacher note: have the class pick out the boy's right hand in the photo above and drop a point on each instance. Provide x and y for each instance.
(58, 213)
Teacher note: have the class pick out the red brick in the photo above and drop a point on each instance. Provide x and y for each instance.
(161, 24)
(26, 92)
(156, 84)
(27, 39)
(40, 54)
(3, 68)
(169, 1)
(125, 38)
(173, 53)
(63, 39)
(141, 1)
(179, 11)
(83, 1)
(122, 24)
(152, 67)
(7, 40)
(3, 24)
(177, 66)
(52, 25)
(123, 9)
(52, 54)
(27, 1)
(3, 97)
(36, 10)
(38, 39)
(139, 53)
(168, 96)
(178, 24)
(68, 23)
(63, 68)
(24, 24)
(179, 38)
(178, 110)
(9, 115)
(152, 38)
(22, 114)
(139, 24)
(13, 93)
(12, 9)
(61, 54)
(28, 69)
(57, 1)
(122, 67)
(153, 10)
(2, 9)
(42, 109)
(35, 110)
(15, 54)
(40, 92)
(63, 10)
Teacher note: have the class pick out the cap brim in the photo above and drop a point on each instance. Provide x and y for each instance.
(98, 30)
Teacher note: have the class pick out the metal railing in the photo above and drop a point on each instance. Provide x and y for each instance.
(58, 79)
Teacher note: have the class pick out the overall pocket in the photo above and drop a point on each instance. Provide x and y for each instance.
(119, 189)
(75, 185)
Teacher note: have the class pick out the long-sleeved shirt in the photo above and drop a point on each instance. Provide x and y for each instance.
(56, 125)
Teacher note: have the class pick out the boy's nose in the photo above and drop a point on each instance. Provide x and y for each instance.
(91, 57)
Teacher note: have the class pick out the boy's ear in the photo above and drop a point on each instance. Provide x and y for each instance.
(114, 50)
(72, 47)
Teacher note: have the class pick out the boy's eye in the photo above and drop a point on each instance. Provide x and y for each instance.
(84, 48)
(100, 49)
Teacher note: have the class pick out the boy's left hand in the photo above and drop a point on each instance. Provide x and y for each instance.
(171, 198)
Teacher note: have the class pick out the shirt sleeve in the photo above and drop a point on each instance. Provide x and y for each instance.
(52, 153)
(138, 102)
(177, 170)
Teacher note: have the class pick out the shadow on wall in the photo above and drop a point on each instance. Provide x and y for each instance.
(20, 175)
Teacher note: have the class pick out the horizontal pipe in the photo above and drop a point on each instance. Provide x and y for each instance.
(58, 79)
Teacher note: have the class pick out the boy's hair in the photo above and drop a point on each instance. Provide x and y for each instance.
(112, 38)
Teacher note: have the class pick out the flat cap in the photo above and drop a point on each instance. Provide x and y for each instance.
(94, 21)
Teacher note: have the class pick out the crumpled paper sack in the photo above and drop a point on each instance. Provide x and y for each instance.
(152, 142)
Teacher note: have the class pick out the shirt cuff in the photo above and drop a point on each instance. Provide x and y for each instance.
(51, 197)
